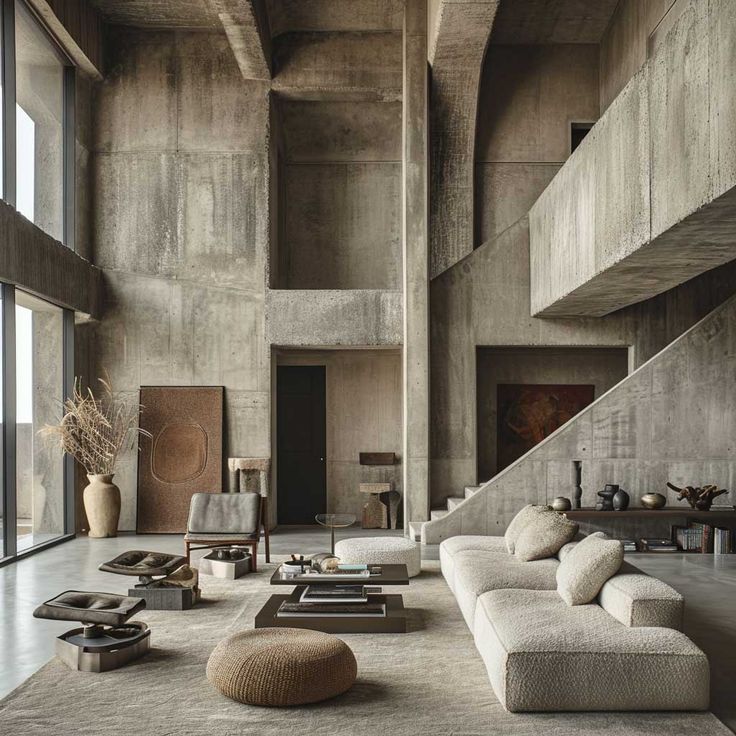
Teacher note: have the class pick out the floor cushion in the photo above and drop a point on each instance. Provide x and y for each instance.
(381, 551)
(477, 572)
(543, 655)
(281, 667)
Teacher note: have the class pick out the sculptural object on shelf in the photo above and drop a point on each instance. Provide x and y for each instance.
(699, 498)
(621, 500)
(606, 496)
(653, 500)
(561, 504)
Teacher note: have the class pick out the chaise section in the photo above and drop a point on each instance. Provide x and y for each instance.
(636, 599)
(477, 572)
(450, 547)
(543, 655)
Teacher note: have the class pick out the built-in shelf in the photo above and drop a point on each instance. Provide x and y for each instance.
(666, 512)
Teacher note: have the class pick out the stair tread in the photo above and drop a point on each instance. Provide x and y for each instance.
(435, 514)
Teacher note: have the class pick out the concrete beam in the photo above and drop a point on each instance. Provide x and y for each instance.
(338, 66)
(648, 201)
(35, 262)
(415, 207)
(246, 27)
(460, 37)
(324, 318)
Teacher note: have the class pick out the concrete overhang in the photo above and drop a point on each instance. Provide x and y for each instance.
(648, 200)
(35, 262)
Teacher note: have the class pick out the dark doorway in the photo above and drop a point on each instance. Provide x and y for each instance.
(301, 443)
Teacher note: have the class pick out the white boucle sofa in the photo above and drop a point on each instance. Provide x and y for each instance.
(622, 652)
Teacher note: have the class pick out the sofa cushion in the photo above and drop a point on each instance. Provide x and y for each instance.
(586, 568)
(636, 599)
(543, 655)
(517, 524)
(450, 547)
(543, 535)
(477, 572)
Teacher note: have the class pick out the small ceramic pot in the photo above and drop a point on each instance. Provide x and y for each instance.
(561, 504)
(102, 506)
(620, 500)
(653, 500)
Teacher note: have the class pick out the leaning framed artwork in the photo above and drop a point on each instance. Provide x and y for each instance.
(183, 455)
(527, 413)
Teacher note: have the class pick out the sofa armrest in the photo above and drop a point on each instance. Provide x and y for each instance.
(636, 599)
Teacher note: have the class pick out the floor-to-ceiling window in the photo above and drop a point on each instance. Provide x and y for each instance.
(36, 336)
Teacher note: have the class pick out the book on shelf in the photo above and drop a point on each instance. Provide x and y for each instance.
(334, 594)
(699, 537)
(658, 545)
(330, 610)
(629, 545)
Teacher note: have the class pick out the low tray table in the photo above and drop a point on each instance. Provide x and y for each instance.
(393, 622)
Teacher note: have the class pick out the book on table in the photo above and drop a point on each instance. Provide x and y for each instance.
(334, 594)
(289, 609)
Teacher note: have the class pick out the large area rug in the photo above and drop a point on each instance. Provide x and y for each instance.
(429, 682)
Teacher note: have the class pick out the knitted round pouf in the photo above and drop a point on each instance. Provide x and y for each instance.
(281, 667)
(381, 551)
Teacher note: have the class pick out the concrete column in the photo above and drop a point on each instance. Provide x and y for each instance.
(415, 202)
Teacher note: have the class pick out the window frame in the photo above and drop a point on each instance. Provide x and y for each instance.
(9, 99)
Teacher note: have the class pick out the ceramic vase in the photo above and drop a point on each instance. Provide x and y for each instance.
(561, 504)
(102, 506)
(620, 500)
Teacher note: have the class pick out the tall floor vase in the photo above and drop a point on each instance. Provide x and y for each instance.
(102, 505)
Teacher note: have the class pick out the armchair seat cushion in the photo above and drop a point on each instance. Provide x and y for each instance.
(90, 608)
(139, 562)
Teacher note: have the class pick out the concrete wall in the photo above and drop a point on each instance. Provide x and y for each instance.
(600, 367)
(484, 300)
(363, 399)
(529, 95)
(180, 228)
(625, 45)
(647, 200)
(674, 419)
(340, 203)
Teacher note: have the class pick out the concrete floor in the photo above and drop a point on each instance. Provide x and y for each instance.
(707, 582)
(28, 643)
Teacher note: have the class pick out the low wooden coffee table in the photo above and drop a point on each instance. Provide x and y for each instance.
(393, 622)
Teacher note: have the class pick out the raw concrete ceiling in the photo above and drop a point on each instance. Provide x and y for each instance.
(335, 15)
(159, 13)
(551, 21)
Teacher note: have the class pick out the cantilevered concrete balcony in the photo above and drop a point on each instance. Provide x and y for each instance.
(648, 200)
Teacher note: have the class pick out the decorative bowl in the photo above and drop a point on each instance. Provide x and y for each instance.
(561, 504)
(653, 500)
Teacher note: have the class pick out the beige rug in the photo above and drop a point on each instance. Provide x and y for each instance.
(429, 682)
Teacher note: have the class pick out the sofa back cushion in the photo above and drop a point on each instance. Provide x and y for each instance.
(543, 535)
(518, 523)
(585, 569)
(636, 599)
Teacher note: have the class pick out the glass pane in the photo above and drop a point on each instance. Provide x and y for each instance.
(2, 435)
(39, 394)
(39, 125)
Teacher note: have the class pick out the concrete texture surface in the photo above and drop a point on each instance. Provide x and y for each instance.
(364, 65)
(364, 414)
(459, 40)
(333, 318)
(542, 22)
(247, 29)
(678, 208)
(162, 14)
(670, 420)
(326, 15)
(416, 261)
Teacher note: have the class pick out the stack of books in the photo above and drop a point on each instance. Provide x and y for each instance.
(629, 545)
(723, 541)
(697, 537)
(658, 545)
(304, 610)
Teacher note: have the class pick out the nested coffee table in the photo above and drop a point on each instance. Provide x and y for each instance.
(393, 621)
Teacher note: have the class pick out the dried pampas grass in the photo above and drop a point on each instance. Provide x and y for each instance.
(94, 431)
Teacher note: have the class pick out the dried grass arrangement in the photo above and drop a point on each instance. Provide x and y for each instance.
(94, 431)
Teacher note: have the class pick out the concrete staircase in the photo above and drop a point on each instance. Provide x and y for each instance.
(453, 502)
